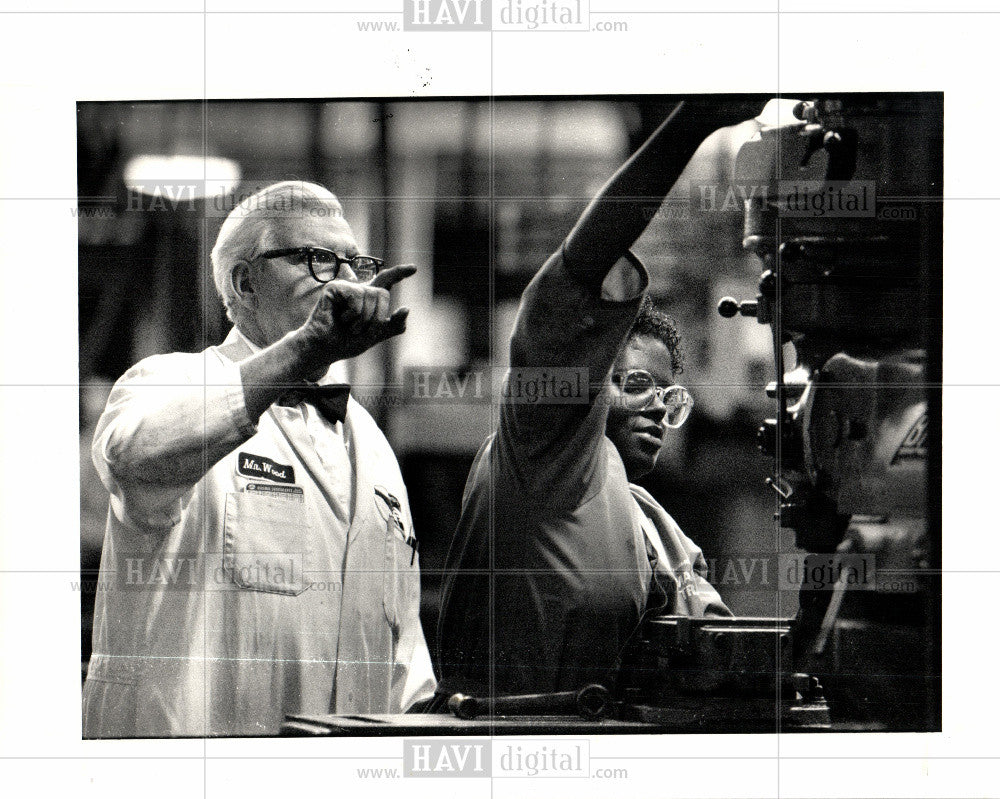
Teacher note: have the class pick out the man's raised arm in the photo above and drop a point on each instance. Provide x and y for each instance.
(165, 426)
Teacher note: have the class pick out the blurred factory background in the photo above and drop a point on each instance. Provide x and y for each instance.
(475, 193)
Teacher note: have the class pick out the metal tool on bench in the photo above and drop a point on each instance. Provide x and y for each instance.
(688, 675)
(592, 702)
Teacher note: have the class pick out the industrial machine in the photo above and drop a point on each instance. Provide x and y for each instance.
(846, 220)
(844, 213)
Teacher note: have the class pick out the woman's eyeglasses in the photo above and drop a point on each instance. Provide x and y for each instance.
(639, 390)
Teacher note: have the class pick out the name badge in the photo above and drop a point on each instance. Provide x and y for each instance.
(260, 467)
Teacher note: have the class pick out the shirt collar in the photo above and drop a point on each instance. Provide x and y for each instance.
(237, 335)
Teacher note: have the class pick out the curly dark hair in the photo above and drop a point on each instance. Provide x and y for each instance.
(651, 321)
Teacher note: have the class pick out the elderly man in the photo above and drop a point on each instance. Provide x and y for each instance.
(558, 556)
(259, 557)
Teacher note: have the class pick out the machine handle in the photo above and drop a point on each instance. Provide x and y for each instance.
(728, 307)
(591, 702)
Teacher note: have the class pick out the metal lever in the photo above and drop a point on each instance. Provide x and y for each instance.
(728, 307)
(590, 702)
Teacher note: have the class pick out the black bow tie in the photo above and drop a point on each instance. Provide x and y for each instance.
(331, 400)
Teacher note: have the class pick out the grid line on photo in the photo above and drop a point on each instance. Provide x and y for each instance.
(683, 758)
(509, 571)
(623, 12)
(206, 463)
(520, 198)
(776, 344)
(494, 410)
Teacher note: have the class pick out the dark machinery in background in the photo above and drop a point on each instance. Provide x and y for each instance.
(846, 219)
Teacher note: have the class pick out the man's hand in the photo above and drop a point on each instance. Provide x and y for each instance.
(350, 318)
(347, 319)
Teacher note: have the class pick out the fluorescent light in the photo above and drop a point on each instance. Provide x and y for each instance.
(182, 177)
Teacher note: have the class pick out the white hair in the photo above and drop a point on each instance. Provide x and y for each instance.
(243, 235)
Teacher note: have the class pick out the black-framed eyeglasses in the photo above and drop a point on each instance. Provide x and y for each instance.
(325, 265)
(639, 390)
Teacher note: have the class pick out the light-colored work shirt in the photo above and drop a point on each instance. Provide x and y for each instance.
(251, 568)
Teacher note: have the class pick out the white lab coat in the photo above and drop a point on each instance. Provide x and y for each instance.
(231, 597)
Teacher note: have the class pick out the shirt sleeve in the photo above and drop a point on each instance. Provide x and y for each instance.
(168, 420)
(696, 595)
(565, 340)
(418, 676)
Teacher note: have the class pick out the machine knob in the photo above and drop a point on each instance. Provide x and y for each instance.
(767, 435)
(793, 391)
(791, 251)
(806, 111)
(465, 707)
(728, 307)
(791, 441)
(768, 284)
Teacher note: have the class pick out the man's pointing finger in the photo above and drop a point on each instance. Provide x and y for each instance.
(388, 278)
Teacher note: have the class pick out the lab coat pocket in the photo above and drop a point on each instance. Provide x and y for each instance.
(401, 577)
(266, 541)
